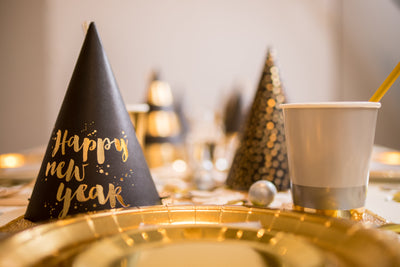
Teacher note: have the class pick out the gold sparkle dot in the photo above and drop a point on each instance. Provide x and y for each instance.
(271, 102)
(270, 125)
(270, 144)
(239, 234)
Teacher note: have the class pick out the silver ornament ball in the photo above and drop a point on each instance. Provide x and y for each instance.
(262, 193)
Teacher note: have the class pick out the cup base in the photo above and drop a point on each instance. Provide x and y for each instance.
(352, 214)
(329, 198)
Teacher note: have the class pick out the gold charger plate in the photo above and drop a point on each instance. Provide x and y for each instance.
(198, 236)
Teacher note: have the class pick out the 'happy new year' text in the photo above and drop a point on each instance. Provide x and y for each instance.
(70, 171)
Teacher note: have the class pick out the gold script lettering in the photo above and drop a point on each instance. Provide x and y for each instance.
(100, 149)
(97, 191)
(120, 145)
(62, 141)
(72, 170)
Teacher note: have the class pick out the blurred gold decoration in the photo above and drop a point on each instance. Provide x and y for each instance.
(163, 123)
(138, 116)
(11, 160)
(233, 116)
(388, 157)
(261, 154)
(160, 94)
(22, 166)
(164, 137)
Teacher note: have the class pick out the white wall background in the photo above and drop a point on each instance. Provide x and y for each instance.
(370, 50)
(326, 50)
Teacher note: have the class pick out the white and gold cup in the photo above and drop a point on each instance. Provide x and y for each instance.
(329, 149)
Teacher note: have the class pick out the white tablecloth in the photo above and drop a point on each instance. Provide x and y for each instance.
(384, 183)
(379, 201)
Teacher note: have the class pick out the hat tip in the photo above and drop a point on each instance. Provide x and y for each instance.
(88, 24)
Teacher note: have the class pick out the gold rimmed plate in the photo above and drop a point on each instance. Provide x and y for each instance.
(202, 245)
(198, 234)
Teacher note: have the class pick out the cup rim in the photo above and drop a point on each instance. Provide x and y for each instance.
(334, 104)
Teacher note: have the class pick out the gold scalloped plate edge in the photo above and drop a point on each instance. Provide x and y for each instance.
(64, 240)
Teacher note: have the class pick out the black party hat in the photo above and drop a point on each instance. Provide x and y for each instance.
(261, 154)
(93, 160)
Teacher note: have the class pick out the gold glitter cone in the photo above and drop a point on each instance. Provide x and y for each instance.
(164, 135)
(261, 154)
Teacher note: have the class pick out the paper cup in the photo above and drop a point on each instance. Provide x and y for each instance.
(329, 148)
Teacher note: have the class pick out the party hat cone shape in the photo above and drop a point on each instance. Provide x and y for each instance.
(164, 135)
(93, 160)
(261, 154)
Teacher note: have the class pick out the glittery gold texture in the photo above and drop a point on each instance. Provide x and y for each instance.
(261, 154)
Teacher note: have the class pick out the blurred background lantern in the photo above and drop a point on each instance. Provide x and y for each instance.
(138, 116)
(164, 138)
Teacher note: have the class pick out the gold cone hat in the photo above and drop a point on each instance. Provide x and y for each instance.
(261, 154)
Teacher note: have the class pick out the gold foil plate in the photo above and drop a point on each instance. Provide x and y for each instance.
(198, 236)
(202, 245)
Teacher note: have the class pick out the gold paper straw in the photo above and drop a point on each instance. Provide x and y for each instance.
(386, 84)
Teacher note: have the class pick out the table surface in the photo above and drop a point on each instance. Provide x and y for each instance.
(380, 196)
(379, 201)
